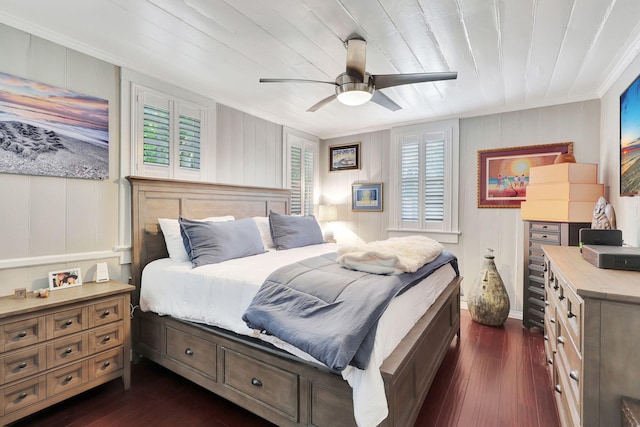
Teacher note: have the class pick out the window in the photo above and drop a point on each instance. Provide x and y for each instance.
(425, 179)
(300, 170)
(168, 135)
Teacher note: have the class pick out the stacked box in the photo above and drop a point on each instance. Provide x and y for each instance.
(564, 192)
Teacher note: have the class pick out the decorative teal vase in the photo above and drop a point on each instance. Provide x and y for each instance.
(488, 301)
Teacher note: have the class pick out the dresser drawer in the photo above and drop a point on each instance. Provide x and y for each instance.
(67, 350)
(67, 322)
(106, 312)
(545, 227)
(106, 337)
(545, 238)
(275, 388)
(106, 363)
(569, 409)
(66, 378)
(570, 368)
(23, 333)
(21, 364)
(23, 394)
(192, 351)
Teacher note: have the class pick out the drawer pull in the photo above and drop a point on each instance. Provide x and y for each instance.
(188, 352)
(561, 297)
(552, 319)
(22, 365)
(106, 364)
(22, 334)
(546, 302)
(570, 315)
(574, 375)
(560, 339)
(256, 382)
(550, 361)
(68, 378)
(106, 313)
(558, 388)
(22, 395)
(68, 350)
(546, 337)
(107, 338)
(68, 322)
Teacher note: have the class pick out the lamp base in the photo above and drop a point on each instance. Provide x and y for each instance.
(328, 237)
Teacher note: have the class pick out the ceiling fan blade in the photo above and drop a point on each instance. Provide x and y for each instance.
(322, 103)
(294, 81)
(382, 99)
(387, 80)
(356, 58)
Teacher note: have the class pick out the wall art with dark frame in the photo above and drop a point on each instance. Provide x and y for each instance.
(630, 140)
(503, 173)
(52, 131)
(344, 157)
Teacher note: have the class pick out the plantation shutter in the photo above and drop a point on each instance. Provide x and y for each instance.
(296, 182)
(156, 136)
(189, 152)
(410, 181)
(434, 181)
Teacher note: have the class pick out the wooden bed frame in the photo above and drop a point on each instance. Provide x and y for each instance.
(266, 381)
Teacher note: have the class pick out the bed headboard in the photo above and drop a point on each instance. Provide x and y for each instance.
(153, 198)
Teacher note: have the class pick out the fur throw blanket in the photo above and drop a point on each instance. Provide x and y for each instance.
(392, 256)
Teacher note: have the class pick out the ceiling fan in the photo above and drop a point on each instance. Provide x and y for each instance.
(355, 86)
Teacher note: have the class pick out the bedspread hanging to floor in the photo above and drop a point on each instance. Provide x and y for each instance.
(328, 311)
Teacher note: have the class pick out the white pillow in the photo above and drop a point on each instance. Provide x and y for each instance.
(265, 231)
(173, 239)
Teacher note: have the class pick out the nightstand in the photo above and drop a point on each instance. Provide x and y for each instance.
(57, 347)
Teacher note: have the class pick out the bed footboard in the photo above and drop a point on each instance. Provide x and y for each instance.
(290, 392)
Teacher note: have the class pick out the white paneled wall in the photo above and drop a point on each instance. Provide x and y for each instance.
(50, 223)
(248, 149)
(499, 229)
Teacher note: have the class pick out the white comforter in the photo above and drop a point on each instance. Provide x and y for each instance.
(218, 294)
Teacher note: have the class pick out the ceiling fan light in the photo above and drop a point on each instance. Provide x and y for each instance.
(355, 97)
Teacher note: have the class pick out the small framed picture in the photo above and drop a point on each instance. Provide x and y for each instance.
(344, 157)
(65, 278)
(366, 197)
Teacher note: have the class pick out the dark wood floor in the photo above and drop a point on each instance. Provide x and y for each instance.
(490, 377)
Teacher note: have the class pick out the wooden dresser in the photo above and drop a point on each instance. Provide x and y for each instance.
(56, 347)
(536, 234)
(592, 338)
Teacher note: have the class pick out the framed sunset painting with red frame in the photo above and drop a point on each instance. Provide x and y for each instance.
(503, 173)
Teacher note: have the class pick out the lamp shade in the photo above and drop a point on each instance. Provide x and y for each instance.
(327, 213)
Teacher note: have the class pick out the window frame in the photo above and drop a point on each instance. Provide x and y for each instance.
(445, 231)
(308, 143)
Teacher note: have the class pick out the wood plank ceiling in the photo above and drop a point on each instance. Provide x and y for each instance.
(509, 54)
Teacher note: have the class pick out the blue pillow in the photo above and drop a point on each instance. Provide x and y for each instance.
(212, 242)
(290, 231)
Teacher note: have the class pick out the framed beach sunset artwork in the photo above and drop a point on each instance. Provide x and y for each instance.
(52, 131)
(503, 173)
(630, 140)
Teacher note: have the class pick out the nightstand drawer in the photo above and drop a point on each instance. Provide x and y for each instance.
(106, 337)
(105, 363)
(23, 333)
(23, 394)
(274, 387)
(192, 351)
(67, 350)
(67, 378)
(106, 312)
(67, 322)
(21, 364)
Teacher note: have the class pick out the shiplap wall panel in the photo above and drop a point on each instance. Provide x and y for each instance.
(51, 217)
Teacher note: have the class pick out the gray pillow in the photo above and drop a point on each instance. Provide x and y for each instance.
(213, 242)
(290, 231)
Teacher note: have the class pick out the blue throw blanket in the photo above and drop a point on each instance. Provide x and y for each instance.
(328, 311)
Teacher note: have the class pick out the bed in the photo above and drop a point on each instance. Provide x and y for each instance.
(277, 385)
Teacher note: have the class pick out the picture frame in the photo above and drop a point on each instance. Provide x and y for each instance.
(66, 278)
(503, 173)
(630, 140)
(344, 157)
(366, 197)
